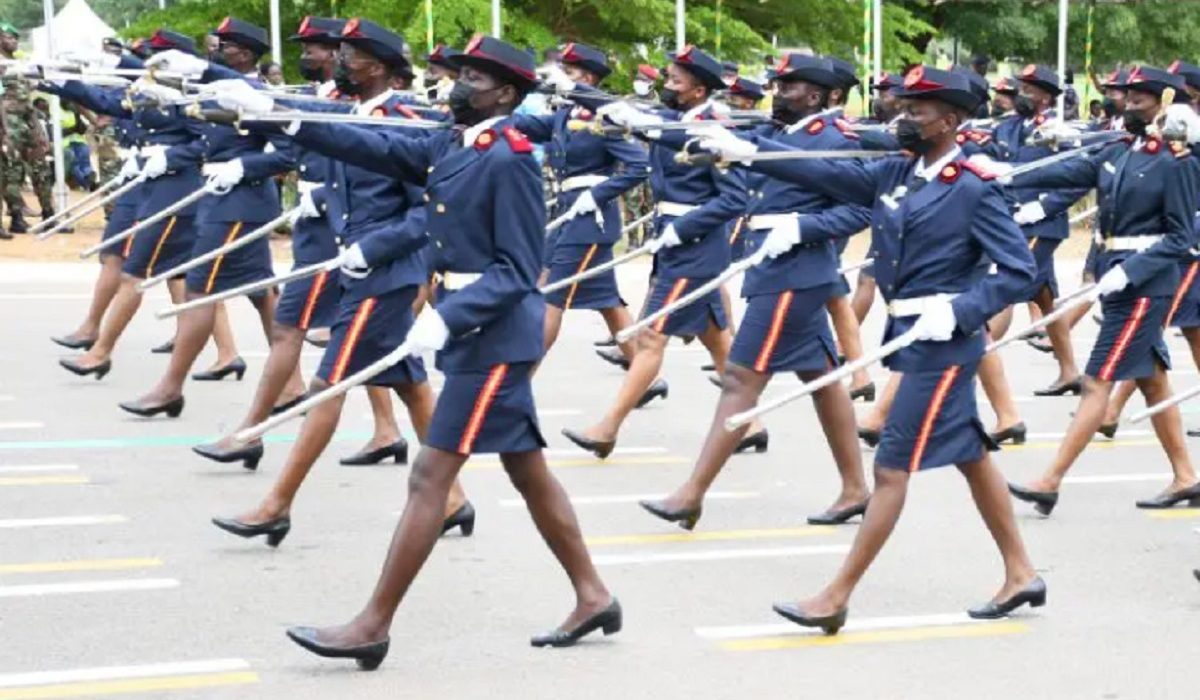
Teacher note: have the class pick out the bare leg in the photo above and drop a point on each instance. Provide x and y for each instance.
(647, 361)
(222, 334)
(999, 324)
(195, 327)
(878, 414)
(551, 327)
(1088, 416)
(836, 414)
(107, 284)
(617, 318)
(1060, 339)
(991, 377)
(124, 305)
(864, 296)
(845, 327)
(1121, 393)
(280, 380)
(1169, 428)
(990, 492)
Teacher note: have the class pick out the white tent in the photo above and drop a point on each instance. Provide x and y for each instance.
(77, 29)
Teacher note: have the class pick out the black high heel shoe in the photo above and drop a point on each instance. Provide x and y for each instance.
(367, 656)
(710, 367)
(608, 342)
(74, 343)
(1034, 593)
(99, 370)
(865, 392)
(238, 367)
(172, 408)
(1043, 501)
(659, 389)
(600, 448)
(275, 529)
(289, 405)
(1015, 433)
(398, 450)
(463, 519)
(685, 518)
(165, 349)
(608, 620)
(829, 623)
(757, 442)
(835, 516)
(1075, 386)
(1109, 430)
(249, 455)
(871, 437)
(1169, 499)
(614, 357)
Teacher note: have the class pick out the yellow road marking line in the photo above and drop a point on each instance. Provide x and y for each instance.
(42, 480)
(589, 462)
(140, 685)
(1175, 513)
(714, 536)
(875, 637)
(47, 567)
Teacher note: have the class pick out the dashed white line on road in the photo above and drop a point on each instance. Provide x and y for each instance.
(107, 586)
(37, 468)
(106, 673)
(70, 520)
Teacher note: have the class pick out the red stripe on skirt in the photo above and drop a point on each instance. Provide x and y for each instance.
(1127, 332)
(935, 407)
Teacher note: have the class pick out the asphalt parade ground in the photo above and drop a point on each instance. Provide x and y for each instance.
(114, 583)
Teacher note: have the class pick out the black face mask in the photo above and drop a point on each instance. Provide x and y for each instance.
(908, 134)
(1135, 123)
(880, 112)
(310, 69)
(217, 58)
(1024, 106)
(1110, 107)
(342, 80)
(670, 99)
(460, 104)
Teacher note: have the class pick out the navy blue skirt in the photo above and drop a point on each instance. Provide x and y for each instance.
(786, 332)
(1043, 255)
(599, 292)
(487, 412)
(160, 247)
(933, 422)
(692, 319)
(123, 216)
(366, 330)
(309, 303)
(242, 266)
(1131, 343)
(1185, 306)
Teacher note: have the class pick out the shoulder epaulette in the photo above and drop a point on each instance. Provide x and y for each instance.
(815, 127)
(517, 141)
(379, 112)
(950, 173)
(847, 129)
(405, 111)
(979, 172)
(485, 140)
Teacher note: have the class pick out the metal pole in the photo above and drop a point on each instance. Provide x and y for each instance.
(429, 24)
(1087, 59)
(60, 170)
(1063, 8)
(719, 8)
(866, 56)
(276, 50)
(877, 26)
(496, 18)
(680, 25)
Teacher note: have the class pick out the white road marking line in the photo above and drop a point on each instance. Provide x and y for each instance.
(6, 398)
(869, 624)
(21, 425)
(718, 554)
(1116, 478)
(67, 520)
(33, 296)
(1060, 436)
(130, 584)
(37, 468)
(106, 673)
(634, 498)
(261, 354)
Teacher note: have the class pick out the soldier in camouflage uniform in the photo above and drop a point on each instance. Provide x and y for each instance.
(24, 140)
(108, 155)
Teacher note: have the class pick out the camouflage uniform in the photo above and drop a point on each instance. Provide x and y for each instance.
(24, 151)
(107, 152)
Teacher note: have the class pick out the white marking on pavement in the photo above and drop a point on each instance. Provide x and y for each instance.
(1060, 436)
(1116, 478)
(718, 554)
(21, 425)
(131, 584)
(5, 398)
(104, 673)
(37, 468)
(30, 296)
(869, 624)
(68, 520)
(634, 498)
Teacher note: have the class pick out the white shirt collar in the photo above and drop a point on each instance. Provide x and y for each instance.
(931, 171)
(326, 88)
(695, 112)
(473, 132)
(810, 119)
(365, 108)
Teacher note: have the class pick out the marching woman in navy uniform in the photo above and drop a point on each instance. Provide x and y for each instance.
(246, 198)
(486, 221)
(164, 245)
(786, 327)
(381, 222)
(935, 219)
(1147, 228)
(692, 247)
(592, 172)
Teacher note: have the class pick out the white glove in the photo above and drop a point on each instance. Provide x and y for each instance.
(1113, 281)
(1059, 131)
(175, 61)
(129, 169)
(669, 238)
(428, 333)
(782, 238)
(224, 176)
(306, 207)
(353, 263)
(156, 165)
(586, 204)
(1030, 213)
(626, 115)
(938, 322)
(715, 138)
(157, 91)
(102, 61)
(559, 80)
(1182, 119)
(239, 96)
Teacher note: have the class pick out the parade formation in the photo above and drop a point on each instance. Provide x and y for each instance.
(438, 220)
